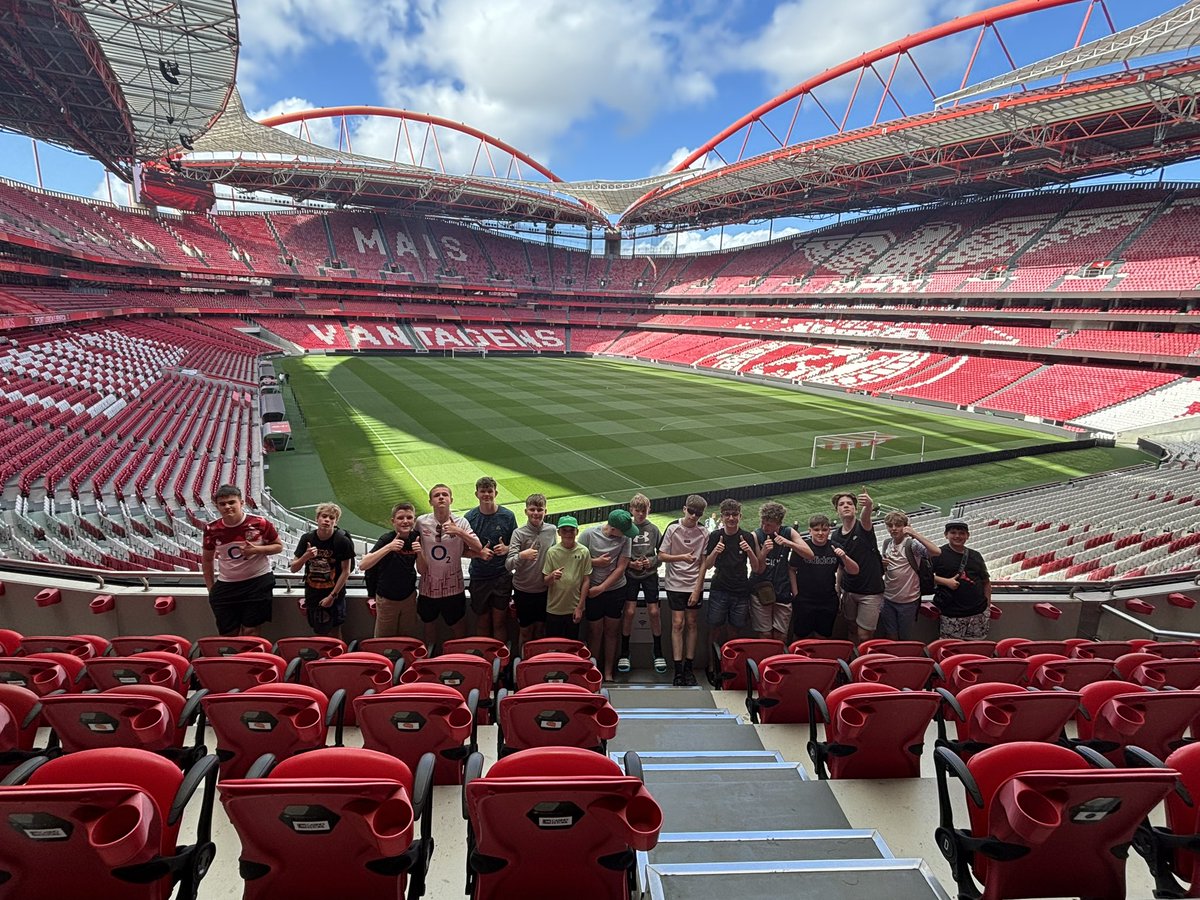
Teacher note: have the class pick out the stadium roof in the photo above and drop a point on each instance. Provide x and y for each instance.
(120, 80)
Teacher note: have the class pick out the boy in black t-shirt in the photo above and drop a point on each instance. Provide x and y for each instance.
(734, 553)
(813, 569)
(964, 587)
(327, 556)
(391, 570)
(862, 592)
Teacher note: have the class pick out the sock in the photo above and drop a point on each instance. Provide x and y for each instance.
(625, 645)
(687, 664)
(657, 646)
(679, 667)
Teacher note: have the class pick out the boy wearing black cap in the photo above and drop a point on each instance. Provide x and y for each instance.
(610, 545)
(964, 588)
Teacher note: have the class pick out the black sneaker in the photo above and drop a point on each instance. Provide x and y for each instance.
(689, 678)
(679, 679)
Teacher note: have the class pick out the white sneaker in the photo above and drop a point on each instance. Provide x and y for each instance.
(660, 665)
(623, 664)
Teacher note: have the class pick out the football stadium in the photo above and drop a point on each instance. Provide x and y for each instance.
(412, 521)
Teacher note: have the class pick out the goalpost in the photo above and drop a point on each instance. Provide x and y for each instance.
(854, 440)
(476, 352)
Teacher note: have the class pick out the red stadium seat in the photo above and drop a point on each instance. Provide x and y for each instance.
(464, 673)
(555, 645)
(1042, 822)
(488, 648)
(557, 668)
(85, 646)
(892, 647)
(1023, 647)
(553, 715)
(10, 641)
(1102, 649)
(20, 718)
(338, 822)
(410, 720)
(131, 645)
(280, 719)
(782, 683)
(308, 649)
(228, 646)
(943, 647)
(1124, 666)
(408, 649)
(168, 670)
(1173, 852)
(44, 673)
(555, 822)
(965, 669)
(912, 672)
(993, 713)
(1047, 671)
(355, 673)
(1160, 673)
(730, 672)
(143, 717)
(820, 648)
(1119, 715)
(1174, 649)
(871, 731)
(221, 674)
(106, 820)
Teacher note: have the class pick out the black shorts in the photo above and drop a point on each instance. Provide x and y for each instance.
(494, 592)
(609, 605)
(678, 601)
(531, 607)
(810, 615)
(646, 587)
(451, 609)
(242, 604)
(322, 619)
(561, 627)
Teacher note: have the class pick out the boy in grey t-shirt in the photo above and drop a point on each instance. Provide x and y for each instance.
(609, 545)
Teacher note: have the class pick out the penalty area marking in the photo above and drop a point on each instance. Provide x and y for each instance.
(593, 462)
(354, 414)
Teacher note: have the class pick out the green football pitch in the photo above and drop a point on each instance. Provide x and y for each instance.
(582, 431)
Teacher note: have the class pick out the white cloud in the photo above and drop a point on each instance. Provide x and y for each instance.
(317, 131)
(678, 156)
(707, 241)
(122, 194)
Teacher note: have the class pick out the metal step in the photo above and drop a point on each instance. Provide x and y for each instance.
(863, 879)
(725, 774)
(703, 757)
(755, 806)
(656, 696)
(645, 735)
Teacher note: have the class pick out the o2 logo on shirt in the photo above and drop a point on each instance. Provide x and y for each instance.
(439, 552)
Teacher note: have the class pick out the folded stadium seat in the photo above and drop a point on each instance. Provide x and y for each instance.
(221, 674)
(943, 647)
(410, 720)
(554, 715)
(20, 718)
(871, 731)
(1043, 823)
(1173, 852)
(820, 648)
(894, 648)
(228, 646)
(1123, 666)
(338, 822)
(153, 667)
(10, 641)
(1174, 649)
(556, 822)
(729, 673)
(1046, 671)
(911, 672)
(394, 648)
(355, 673)
(105, 824)
(1116, 714)
(1023, 647)
(555, 645)
(488, 648)
(965, 669)
(168, 643)
(1102, 649)
(464, 673)
(1183, 674)
(44, 673)
(557, 668)
(307, 649)
(989, 714)
(280, 719)
(782, 683)
(141, 716)
(85, 646)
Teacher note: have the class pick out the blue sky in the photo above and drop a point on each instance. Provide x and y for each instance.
(618, 89)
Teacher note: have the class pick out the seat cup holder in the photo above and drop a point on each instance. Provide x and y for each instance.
(49, 678)
(851, 720)
(266, 675)
(643, 818)
(120, 835)
(391, 825)
(1123, 717)
(459, 717)
(992, 719)
(606, 717)
(150, 725)
(308, 723)
(1028, 814)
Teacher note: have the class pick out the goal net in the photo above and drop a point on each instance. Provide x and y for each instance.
(851, 445)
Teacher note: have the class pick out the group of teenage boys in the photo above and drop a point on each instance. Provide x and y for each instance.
(773, 581)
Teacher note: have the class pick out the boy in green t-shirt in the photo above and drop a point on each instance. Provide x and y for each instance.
(565, 571)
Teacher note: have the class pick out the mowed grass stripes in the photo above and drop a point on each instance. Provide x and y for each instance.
(584, 432)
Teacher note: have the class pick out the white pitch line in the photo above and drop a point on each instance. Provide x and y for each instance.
(734, 462)
(584, 456)
(371, 428)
